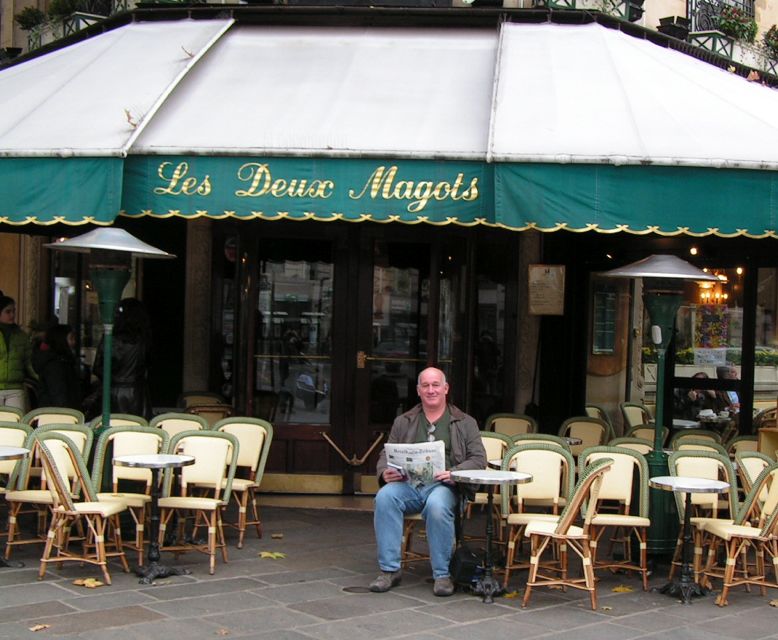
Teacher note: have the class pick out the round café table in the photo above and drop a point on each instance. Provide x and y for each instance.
(686, 586)
(155, 462)
(487, 585)
(12, 453)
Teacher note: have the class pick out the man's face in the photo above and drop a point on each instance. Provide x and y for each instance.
(432, 389)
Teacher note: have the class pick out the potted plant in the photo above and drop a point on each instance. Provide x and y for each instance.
(29, 18)
(736, 24)
(770, 45)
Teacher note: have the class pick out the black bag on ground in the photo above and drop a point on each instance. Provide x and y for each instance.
(465, 566)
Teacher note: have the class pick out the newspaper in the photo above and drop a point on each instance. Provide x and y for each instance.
(420, 461)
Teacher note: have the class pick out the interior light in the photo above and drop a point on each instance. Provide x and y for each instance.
(739, 271)
(693, 251)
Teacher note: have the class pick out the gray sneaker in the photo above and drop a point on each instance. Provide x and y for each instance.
(385, 581)
(443, 587)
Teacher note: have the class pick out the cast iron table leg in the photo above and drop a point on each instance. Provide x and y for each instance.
(487, 585)
(685, 586)
(154, 569)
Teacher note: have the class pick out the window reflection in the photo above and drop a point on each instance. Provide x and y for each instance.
(292, 335)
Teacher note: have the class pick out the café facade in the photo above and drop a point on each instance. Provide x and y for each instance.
(355, 194)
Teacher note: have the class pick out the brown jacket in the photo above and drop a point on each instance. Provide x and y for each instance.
(467, 450)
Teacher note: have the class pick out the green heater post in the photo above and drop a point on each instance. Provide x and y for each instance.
(109, 284)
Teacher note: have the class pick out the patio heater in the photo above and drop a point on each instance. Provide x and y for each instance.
(110, 252)
(663, 278)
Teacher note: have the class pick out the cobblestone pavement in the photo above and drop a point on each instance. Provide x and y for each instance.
(319, 590)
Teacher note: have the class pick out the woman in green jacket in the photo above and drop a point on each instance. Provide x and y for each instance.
(15, 352)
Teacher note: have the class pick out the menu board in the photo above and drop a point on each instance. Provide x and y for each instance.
(546, 289)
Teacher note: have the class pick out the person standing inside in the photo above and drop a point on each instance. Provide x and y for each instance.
(15, 353)
(433, 419)
(59, 379)
(129, 359)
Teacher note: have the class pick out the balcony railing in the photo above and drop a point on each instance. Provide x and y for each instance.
(704, 14)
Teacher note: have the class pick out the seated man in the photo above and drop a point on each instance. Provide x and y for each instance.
(433, 419)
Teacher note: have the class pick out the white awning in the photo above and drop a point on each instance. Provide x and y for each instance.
(588, 94)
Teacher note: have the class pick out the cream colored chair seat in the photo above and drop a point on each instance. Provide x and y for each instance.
(59, 455)
(566, 535)
(215, 459)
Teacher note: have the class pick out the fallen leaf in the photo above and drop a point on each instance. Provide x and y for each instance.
(223, 632)
(731, 69)
(91, 583)
(606, 608)
(272, 555)
(39, 627)
(773, 603)
(622, 588)
(512, 594)
(277, 536)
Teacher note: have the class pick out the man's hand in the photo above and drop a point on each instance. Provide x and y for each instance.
(392, 475)
(444, 476)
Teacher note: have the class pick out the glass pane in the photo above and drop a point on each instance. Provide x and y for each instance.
(766, 354)
(488, 379)
(707, 346)
(399, 321)
(292, 333)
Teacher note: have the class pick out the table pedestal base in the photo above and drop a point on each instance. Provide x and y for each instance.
(685, 589)
(154, 570)
(488, 587)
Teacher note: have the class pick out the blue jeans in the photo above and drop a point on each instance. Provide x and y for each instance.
(437, 504)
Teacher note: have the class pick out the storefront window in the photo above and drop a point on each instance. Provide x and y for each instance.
(766, 351)
(708, 346)
(292, 333)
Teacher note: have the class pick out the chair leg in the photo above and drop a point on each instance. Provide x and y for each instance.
(257, 522)
(588, 571)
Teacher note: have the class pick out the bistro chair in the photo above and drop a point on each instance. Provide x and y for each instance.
(409, 554)
(749, 464)
(191, 398)
(541, 438)
(125, 440)
(697, 434)
(707, 507)
(119, 420)
(12, 434)
(59, 456)
(596, 411)
(216, 457)
(173, 423)
(755, 529)
(617, 489)
(511, 424)
(741, 444)
(53, 415)
(641, 445)
(495, 444)
(591, 431)
(566, 535)
(703, 444)
(212, 413)
(553, 473)
(254, 437)
(10, 414)
(28, 493)
(647, 432)
(634, 414)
